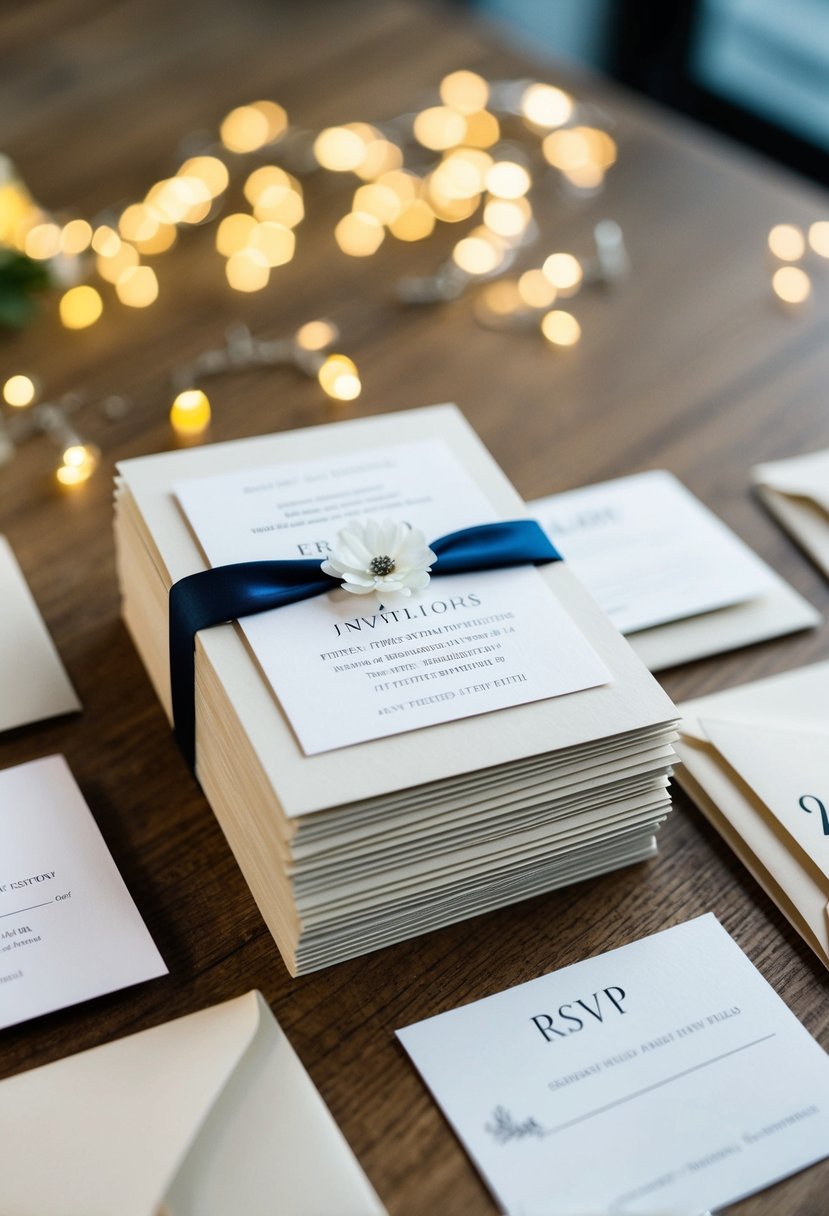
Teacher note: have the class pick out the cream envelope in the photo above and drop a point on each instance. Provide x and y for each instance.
(796, 492)
(208, 1115)
(756, 761)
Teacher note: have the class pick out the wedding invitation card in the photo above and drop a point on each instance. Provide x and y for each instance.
(667, 571)
(33, 680)
(212, 1114)
(468, 644)
(664, 1076)
(69, 930)
(756, 762)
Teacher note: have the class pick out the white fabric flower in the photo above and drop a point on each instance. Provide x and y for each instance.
(388, 558)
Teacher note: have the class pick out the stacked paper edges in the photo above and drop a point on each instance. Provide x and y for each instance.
(354, 847)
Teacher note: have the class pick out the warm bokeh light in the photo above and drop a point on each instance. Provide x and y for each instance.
(266, 177)
(316, 335)
(137, 287)
(75, 237)
(80, 460)
(450, 210)
(379, 201)
(209, 170)
(234, 232)
(381, 156)
(507, 218)
(546, 106)
(162, 239)
(274, 241)
(190, 412)
(250, 127)
(80, 307)
(791, 284)
(339, 149)
(464, 91)
(247, 270)
(589, 176)
(508, 180)
(415, 222)
(338, 378)
(439, 128)
(482, 130)
(819, 237)
(503, 298)
(402, 182)
(42, 241)
(478, 253)
(564, 272)
(137, 223)
(787, 242)
(560, 328)
(458, 177)
(536, 290)
(106, 241)
(179, 200)
(110, 269)
(359, 234)
(19, 391)
(281, 205)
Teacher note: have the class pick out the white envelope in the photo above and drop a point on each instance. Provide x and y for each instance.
(33, 681)
(209, 1115)
(756, 761)
(796, 492)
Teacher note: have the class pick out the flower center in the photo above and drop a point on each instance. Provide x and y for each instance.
(381, 565)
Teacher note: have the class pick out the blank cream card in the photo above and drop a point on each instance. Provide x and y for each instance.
(69, 930)
(33, 682)
(796, 491)
(662, 1077)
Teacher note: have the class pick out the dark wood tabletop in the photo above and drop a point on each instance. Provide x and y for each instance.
(690, 365)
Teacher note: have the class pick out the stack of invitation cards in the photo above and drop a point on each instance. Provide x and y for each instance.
(669, 574)
(756, 761)
(210, 1114)
(796, 491)
(384, 768)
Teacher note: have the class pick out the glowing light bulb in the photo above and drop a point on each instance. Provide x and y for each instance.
(379, 201)
(80, 307)
(564, 272)
(457, 178)
(274, 241)
(234, 232)
(560, 328)
(209, 170)
(19, 391)
(339, 149)
(80, 460)
(110, 269)
(482, 130)
(791, 284)
(75, 237)
(247, 270)
(339, 379)
(162, 239)
(190, 412)
(464, 91)
(137, 223)
(381, 156)
(106, 241)
(250, 127)
(403, 183)
(546, 106)
(786, 241)
(439, 128)
(359, 234)
(819, 237)
(264, 178)
(508, 180)
(507, 218)
(316, 335)
(137, 286)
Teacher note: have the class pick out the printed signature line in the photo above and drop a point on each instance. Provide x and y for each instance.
(30, 908)
(657, 1085)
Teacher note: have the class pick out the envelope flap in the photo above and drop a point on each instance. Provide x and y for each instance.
(804, 476)
(788, 769)
(118, 1119)
(798, 698)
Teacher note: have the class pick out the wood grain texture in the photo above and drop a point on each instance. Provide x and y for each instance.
(690, 366)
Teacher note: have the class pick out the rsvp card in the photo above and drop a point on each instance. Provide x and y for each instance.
(69, 930)
(346, 668)
(649, 552)
(665, 1076)
(33, 682)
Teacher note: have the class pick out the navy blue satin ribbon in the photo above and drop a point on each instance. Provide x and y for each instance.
(241, 589)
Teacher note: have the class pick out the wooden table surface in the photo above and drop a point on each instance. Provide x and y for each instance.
(690, 366)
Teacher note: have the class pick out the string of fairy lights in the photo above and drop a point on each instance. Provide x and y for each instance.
(479, 157)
